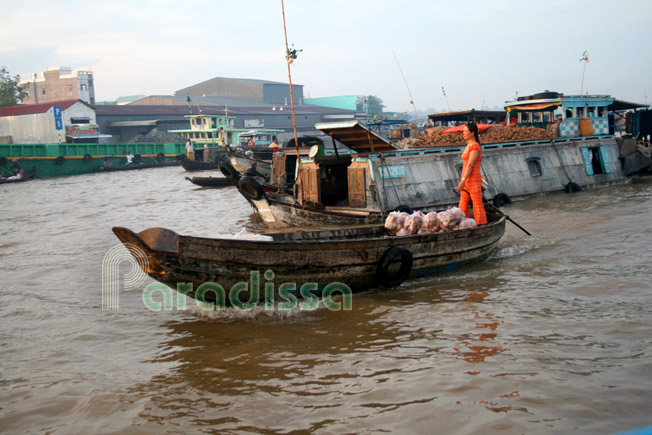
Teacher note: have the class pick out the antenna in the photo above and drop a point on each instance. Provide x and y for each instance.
(585, 58)
(443, 91)
(416, 115)
(289, 59)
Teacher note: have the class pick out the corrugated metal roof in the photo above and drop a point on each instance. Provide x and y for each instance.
(356, 136)
(181, 110)
(29, 109)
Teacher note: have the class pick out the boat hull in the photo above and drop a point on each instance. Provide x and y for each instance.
(351, 256)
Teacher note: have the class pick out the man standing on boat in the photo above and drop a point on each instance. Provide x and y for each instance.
(220, 136)
(471, 181)
(130, 158)
(190, 151)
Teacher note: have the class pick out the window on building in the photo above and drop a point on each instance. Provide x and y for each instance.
(43, 91)
(69, 88)
(80, 120)
(591, 111)
(601, 111)
(83, 87)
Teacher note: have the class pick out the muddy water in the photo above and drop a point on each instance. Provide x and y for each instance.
(551, 334)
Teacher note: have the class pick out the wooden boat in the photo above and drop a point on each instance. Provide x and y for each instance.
(135, 166)
(210, 181)
(195, 165)
(26, 177)
(359, 257)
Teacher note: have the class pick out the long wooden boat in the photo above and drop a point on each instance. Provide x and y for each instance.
(135, 166)
(195, 165)
(210, 181)
(359, 257)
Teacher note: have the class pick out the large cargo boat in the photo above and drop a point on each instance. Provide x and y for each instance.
(363, 187)
(54, 160)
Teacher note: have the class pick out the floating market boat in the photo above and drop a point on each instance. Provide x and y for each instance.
(210, 134)
(26, 177)
(210, 181)
(359, 257)
(53, 160)
(378, 177)
(136, 166)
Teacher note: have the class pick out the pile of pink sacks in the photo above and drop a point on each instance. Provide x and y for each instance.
(403, 224)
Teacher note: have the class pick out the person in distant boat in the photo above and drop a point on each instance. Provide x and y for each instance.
(251, 142)
(130, 158)
(107, 162)
(220, 136)
(274, 145)
(471, 181)
(19, 172)
(190, 151)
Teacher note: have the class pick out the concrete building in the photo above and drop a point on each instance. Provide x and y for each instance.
(125, 123)
(260, 91)
(58, 84)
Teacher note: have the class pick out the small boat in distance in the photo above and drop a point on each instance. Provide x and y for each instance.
(210, 181)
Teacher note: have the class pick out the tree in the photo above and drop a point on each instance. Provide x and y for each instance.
(371, 104)
(10, 93)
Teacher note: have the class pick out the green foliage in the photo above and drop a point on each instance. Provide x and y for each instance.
(292, 54)
(10, 93)
(374, 104)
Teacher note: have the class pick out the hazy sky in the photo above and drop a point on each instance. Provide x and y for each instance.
(480, 51)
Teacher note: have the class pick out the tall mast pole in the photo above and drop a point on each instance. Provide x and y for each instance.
(294, 122)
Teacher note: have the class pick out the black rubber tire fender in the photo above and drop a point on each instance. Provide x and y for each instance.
(87, 158)
(383, 275)
(251, 188)
(501, 199)
(252, 172)
(572, 187)
(228, 170)
(160, 157)
(404, 209)
(137, 158)
(59, 161)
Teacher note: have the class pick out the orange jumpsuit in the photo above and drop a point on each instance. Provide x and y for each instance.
(473, 185)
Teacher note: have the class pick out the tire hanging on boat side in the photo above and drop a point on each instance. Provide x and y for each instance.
(572, 187)
(502, 199)
(251, 188)
(228, 170)
(137, 158)
(383, 275)
(59, 161)
(87, 158)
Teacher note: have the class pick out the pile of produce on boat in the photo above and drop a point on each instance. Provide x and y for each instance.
(434, 137)
(404, 224)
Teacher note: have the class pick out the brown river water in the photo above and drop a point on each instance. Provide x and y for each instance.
(551, 334)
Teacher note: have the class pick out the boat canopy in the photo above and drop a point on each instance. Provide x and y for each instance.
(356, 136)
(619, 105)
(469, 116)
